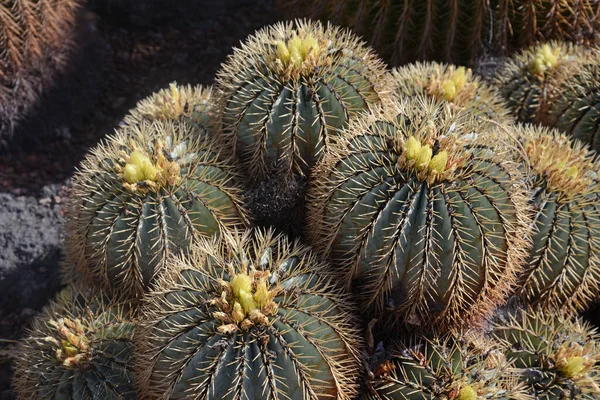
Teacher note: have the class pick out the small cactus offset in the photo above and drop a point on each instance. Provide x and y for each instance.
(448, 367)
(288, 90)
(563, 266)
(144, 194)
(532, 79)
(455, 85)
(77, 349)
(556, 357)
(406, 31)
(192, 103)
(420, 215)
(247, 316)
(576, 110)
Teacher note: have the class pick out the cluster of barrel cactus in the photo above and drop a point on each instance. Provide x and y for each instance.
(428, 208)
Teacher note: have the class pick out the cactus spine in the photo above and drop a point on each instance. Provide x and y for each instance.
(77, 349)
(394, 204)
(563, 266)
(247, 316)
(448, 367)
(556, 357)
(455, 85)
(287, 91)
(143, 194)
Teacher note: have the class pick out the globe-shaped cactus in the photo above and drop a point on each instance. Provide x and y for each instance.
(455, 85)
(530, 80)
(420, 215)
(247, 316)
(177, 102)
(555, 356)
(563, 266)
(79, 348)
(288, 90)
(576, 110)
(143, 194)
(464, 367)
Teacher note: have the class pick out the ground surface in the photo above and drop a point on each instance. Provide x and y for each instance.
(33, 186)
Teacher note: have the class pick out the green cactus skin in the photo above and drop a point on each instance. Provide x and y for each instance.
(448, 367)
(302, 343)
(283, 103)
(177, 102)
(576, 110)
(531, 80)
(557, 357)
(79, 348)
(123, 224)
(563, 266)
(428, 249)
(455, 85)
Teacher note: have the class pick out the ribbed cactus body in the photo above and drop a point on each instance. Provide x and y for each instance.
(146, 193)
(446, 368)
(457, 86)
(531, 80)
(424, 223)
(247, 316)
(576, 110)
(556, 357)
(563, 266)
(288, 90)
(193, 104)
(79, 348)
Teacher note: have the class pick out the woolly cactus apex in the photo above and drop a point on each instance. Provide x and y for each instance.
(532, 79)
(449, 367)
(557, 357)
(576, 110)
(290, 88)
(455, 85)
(144, 194)
(423, 220)
(563, 267)
(78, 348)
(247, 316)
(177, 102)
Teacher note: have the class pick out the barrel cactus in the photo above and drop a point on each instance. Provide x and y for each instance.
(563, 266)
(448, 367)
(576, 109)
(532, 79)
(247, 316)
(420, 215)
(144, 193)
(455, 85)
(556, 357)
(192, 103)
(79, 348)
(288, 90)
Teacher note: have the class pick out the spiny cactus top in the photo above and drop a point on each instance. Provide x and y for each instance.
(247, 316)
(78, 348)
(455, 85)
(143, 194)
(289, 88)
(420, 214)
(576, 109)
(558, 358)
(192, 103)
(448, 367)
(530, 80)
(563, 267)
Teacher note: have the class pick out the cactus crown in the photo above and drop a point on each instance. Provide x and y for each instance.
(301, 54)
(246, 300)
(455, 86)
(71, 341)
(565, 165)
(143, 172)
(546, 57)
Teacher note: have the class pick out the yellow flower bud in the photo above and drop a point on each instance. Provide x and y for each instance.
(132, 174)
(310, 45)
(573, 366)
(424, 157)
(467, 393)
(412, 148)
(459, 77)
(238, 313)
(439, 161)
(449, 89)
(136, 158)
(247, 301)
(239, 283)
(261, 294)
(283, 52)
(572, 172)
